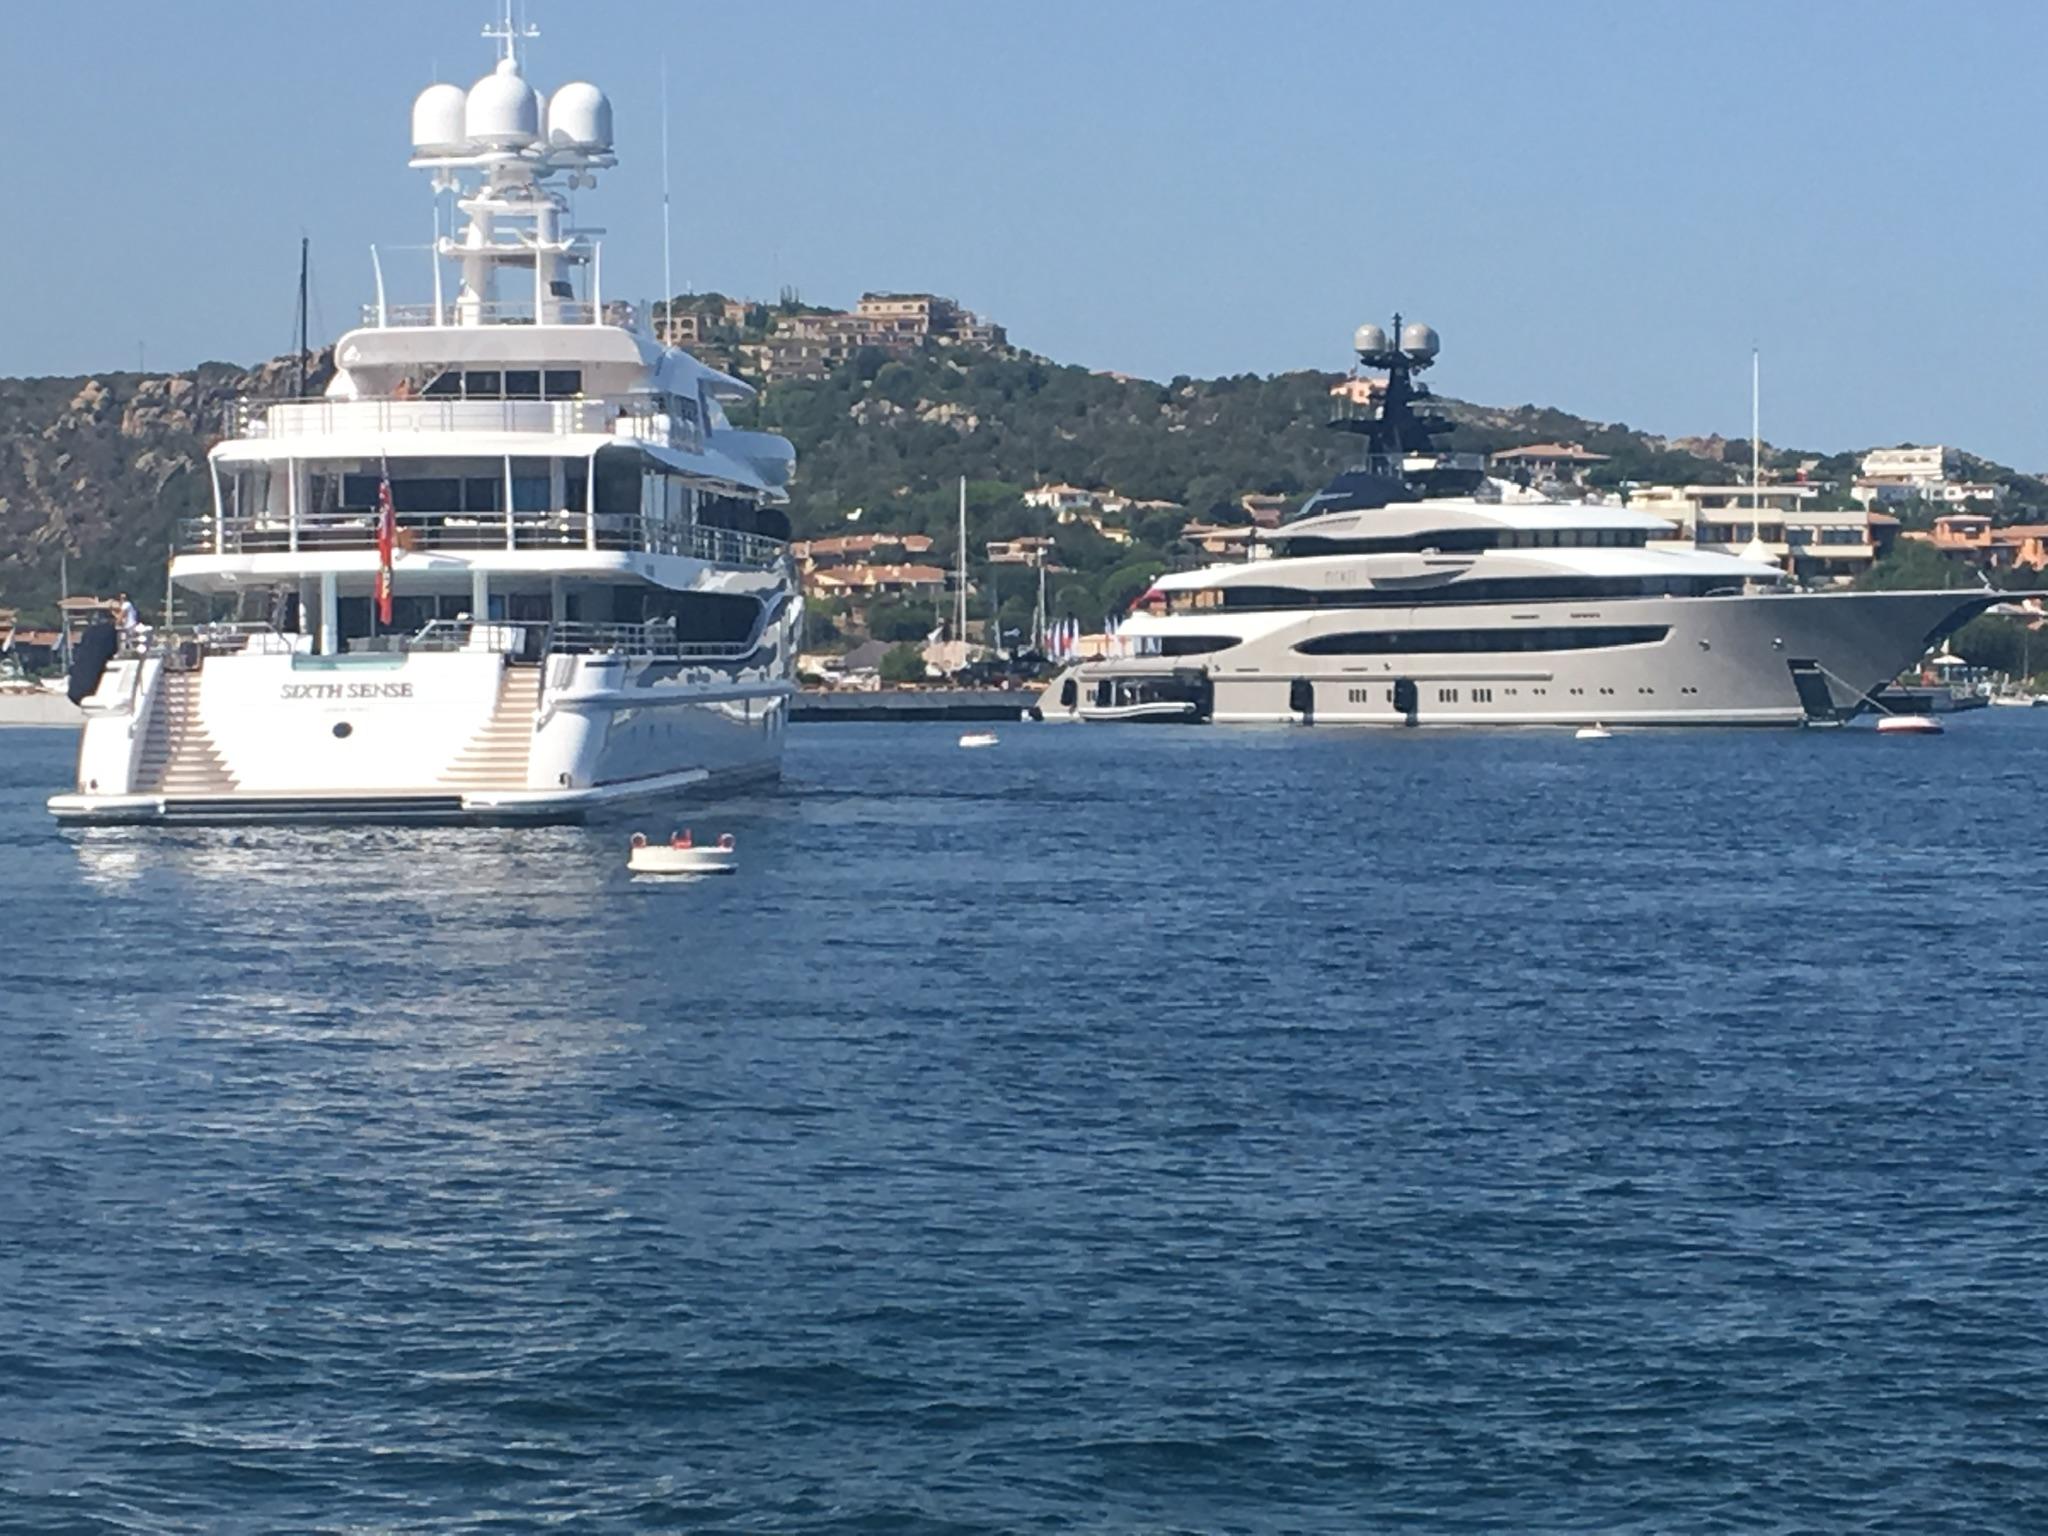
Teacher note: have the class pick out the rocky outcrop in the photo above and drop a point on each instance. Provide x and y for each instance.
(96, 471)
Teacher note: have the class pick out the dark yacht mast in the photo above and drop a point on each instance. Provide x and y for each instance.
(1402, 460)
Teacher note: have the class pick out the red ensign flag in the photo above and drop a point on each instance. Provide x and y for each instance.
(387, 540)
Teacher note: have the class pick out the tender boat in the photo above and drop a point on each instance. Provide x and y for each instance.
(1594, 732)
(1909, 725)
(1146, 700)
(680, 855)
(979, 739)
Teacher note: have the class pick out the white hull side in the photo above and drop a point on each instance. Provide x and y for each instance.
(444, 737)
(1725, 661)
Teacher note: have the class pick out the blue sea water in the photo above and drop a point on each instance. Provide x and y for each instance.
(1120, 1130)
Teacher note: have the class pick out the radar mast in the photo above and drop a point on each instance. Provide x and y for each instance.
(1402, 460)
(510, 156)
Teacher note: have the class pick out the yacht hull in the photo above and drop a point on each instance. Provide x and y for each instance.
(482, 809)
(423, 738)
(1766, 659)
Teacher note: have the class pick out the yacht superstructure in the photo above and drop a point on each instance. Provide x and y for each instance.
(1414, 591)
(514, 563)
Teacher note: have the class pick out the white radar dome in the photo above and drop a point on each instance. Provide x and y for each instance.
(437, 125)
(503, 111)
(1369, 338)
(580, 117)
(1419, 340)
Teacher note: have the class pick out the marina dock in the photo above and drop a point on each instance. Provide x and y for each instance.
(911, 704)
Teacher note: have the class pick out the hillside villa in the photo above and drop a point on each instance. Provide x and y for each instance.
(1891, 475)
(1032, 550)
(1545, 464)
(1974, 536)
(1106, 511)
(1063, 497)
(866, 581)
(1776, 522)
(810, 345)
(858, 549)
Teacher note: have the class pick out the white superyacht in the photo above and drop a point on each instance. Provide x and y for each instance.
(1413, 591)
(515, 564)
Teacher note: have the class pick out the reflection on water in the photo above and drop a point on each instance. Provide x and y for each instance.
(111, 857)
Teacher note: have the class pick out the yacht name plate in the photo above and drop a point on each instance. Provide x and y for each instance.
(290, 691)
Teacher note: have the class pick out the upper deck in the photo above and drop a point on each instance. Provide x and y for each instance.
(519, 409)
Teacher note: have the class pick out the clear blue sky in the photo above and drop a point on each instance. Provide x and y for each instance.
(1601, 205)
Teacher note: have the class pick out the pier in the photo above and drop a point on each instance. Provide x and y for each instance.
(812, 705)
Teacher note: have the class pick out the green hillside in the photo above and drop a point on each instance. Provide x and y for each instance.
(99, 469)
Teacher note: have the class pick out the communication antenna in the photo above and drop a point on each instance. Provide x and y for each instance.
(509, 34)
(668, 287)
(305, 351)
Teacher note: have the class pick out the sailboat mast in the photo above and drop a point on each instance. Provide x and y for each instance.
(960, 592)
(668, 289)
(1038, 618)
(995, 615)
(1755, 437)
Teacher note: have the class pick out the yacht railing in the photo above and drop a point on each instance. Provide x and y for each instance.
(729, 546)
(656, 637)
(183, 646)
(497, 312)
(358, 530)
(543, 530)
(632, 420)
(532, 640)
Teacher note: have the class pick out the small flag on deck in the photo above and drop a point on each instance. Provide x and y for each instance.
(387, 541)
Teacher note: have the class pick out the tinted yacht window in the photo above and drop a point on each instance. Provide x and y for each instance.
(1408, 642)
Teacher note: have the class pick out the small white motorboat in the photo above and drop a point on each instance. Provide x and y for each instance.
(680, 855)
(979, 739)
(1594, 732)
(1908, 725)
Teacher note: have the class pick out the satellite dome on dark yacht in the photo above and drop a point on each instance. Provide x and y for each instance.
(1419, 340)
(1369, 338)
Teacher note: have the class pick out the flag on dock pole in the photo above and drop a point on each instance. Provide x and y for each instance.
(387, 542)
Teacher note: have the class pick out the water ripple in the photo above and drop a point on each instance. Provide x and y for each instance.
(1167, 1131)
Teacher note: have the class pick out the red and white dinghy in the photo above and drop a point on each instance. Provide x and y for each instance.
(1908, 725)
(681, 855)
